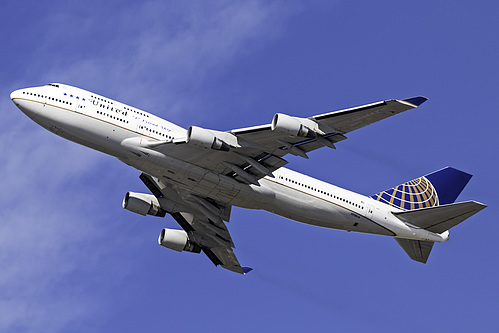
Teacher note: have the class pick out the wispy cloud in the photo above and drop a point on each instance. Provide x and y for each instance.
(51, 225)
(162, 50)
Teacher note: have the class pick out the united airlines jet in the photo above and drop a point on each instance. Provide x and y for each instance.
(196, 175)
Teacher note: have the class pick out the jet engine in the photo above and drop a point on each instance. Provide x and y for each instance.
(177, 240)
(143, 204)
(292, 126)
(204, 138)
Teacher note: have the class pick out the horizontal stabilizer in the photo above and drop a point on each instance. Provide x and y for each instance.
(416, 249)
(440, 218)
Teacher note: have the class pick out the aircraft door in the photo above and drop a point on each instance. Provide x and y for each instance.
(140, 125)
(80, 106)
(369, 212)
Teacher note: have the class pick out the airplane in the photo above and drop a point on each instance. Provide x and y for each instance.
(196, 175)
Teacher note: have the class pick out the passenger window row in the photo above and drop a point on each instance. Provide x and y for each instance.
(50, 98)
(113, 117)
(155, 132)
(321, 191)
(124, 107)
(136, 111)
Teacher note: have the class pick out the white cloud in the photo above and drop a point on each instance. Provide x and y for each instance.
(42, 229)
(164, 49)
(50, 231)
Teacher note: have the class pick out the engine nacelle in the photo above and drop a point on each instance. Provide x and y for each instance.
(143, 204)
(204, 138)
(177, 240)
(291, 126)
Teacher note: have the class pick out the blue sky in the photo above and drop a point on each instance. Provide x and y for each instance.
(72, 259)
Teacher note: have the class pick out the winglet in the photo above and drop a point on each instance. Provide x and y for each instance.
(416, 101)
(246, 270)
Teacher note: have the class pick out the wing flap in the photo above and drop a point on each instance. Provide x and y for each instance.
(440, 218)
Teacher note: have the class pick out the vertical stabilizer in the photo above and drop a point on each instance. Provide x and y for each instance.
(449, 183)
(428, 203)
(438, 188)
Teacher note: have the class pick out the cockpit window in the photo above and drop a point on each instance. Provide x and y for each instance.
(53, 85)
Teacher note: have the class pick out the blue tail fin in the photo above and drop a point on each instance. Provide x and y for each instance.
(438, 188)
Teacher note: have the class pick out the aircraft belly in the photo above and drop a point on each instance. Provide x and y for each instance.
(187, 176)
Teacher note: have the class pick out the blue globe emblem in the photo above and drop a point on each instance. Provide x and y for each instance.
(415, 194)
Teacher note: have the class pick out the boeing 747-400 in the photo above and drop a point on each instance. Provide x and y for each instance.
(196, 175)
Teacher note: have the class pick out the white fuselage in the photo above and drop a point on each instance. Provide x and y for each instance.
(123, 131)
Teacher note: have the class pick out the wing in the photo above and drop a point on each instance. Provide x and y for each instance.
(202, 219)
(331, 126)
(249, 154)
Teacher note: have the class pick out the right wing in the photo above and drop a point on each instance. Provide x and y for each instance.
(202, 220)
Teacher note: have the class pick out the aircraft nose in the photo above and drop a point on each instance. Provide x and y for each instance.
(15, 95)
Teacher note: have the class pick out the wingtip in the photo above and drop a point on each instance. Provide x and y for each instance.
(246, 270)
(416, 101)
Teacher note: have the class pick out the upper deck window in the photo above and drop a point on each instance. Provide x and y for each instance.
(53, 85)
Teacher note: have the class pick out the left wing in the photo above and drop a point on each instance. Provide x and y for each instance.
(308, 134)
(249, 154)
(202, 220)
